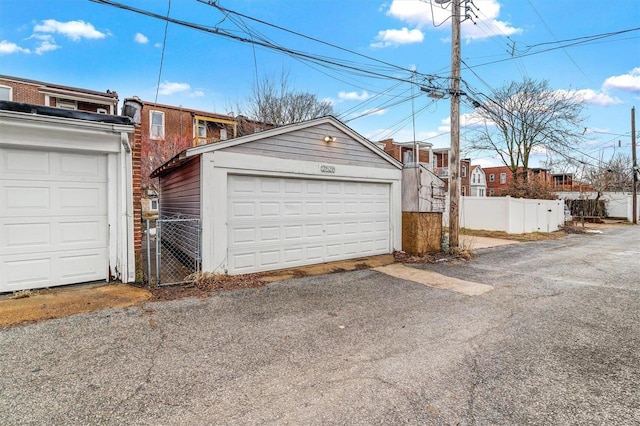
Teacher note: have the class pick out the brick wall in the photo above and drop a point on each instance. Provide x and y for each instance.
(136, 143)
(23, 92)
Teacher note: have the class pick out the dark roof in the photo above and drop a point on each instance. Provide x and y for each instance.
(108, 93)
(64, 113)
(180, 108)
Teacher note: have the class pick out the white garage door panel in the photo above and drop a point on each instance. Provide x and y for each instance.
(52, 269)
(53, 218)
(281, 222)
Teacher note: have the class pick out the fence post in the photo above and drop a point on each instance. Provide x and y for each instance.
(148, 252)
(158, 237)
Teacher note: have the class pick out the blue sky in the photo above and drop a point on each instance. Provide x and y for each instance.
(366, 72)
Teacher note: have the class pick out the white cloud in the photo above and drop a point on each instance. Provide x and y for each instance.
(169, 88)
(196, 94)
(424, 14)
(157, 45)
(75, 30)
(141, 38)
(468, 121)
(629, 82)
(46, 46)
(590, 96)
(6, 48)
(372, 111)
(354, 96)
(388, 38)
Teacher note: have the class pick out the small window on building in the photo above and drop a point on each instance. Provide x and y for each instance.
(156, 130)
(464, 171)
(6, 93)
(473, 178)
(492, 177)
(464, 190)
(202, 129)
(407, 157)
(66, 104)
(492, 193)
(223, 134)
(503, 178)
(481, 192)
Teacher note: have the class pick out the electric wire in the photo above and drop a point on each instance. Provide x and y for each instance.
(164, 45)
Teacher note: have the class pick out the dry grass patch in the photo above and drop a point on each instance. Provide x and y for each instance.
(533, 236)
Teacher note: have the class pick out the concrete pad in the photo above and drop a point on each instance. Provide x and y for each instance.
(472, 242)
(61, 302)
(434, 280)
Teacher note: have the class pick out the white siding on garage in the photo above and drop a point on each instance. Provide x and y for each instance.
(307, 145)
(53, 218)
(280, 222)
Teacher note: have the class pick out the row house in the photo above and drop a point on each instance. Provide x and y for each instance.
(163, 131)
(499, 178)
(477, 182)
(437, 160)
(33, 92)
(441, 168)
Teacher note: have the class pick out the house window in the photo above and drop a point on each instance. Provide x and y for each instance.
(202, 129)
(407, 157)
(464, 190)
(223, 134)
(156, 130)
(503, 178)
(473, 178)
(492, 193)
(464, 171)
(6, 93)
(481, 192)
(66, 104)
(492, 177)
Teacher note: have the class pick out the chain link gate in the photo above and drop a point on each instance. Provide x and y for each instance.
(173, 250)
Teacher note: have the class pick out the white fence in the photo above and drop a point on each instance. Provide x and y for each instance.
(511, 215)
(618, 204)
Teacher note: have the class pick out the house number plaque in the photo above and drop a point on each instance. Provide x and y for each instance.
(326, 168)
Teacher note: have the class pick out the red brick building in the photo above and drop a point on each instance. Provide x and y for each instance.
(34, 92)
(499, 178)
(436, 159)
(441, 168)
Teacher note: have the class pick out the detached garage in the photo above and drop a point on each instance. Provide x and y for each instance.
(65, 197)
(297, 195)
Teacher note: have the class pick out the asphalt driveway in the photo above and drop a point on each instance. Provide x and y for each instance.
(557, 341)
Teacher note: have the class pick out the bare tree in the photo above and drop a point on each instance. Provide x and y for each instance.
(528, 117)
(156, 153)
(613, 175)
(277, 104)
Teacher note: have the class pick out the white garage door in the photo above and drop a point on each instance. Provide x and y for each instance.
(53, 218)
(276, 223)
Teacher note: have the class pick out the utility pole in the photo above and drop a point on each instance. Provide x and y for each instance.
(454, 150)
(634, 200)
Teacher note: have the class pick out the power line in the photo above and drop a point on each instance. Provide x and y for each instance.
(554, 36)
(164, 45)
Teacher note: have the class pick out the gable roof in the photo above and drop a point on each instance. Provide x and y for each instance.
(191, 152)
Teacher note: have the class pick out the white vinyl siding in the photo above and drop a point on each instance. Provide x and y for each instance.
(277, 222)
(53, 218)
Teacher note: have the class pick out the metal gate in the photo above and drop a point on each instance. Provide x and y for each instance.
(173, 250)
